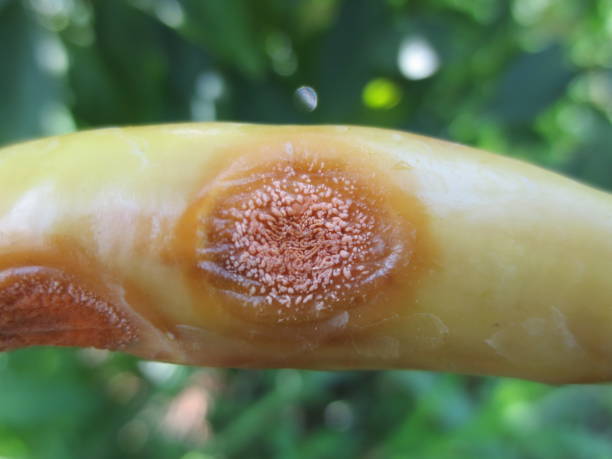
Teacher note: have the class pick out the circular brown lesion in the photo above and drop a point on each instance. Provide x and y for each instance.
(297, 241)
(303, 243)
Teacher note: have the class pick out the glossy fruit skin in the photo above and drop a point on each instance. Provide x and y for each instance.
(502, 267)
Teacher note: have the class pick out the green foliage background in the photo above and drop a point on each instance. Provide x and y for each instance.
(528, 78)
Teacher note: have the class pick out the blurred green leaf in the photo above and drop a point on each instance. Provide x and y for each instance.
(226, 29)
(31, 90)
(531, 83)
(593, 160)
(122, 78)
(29, 402)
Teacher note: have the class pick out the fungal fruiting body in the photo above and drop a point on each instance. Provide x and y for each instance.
(298, 240)
(311, 247)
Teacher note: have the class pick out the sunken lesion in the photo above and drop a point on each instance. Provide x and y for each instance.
(297, 241)
(45, 306)
(301, 238)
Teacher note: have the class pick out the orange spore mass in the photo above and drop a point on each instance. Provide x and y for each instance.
(298, 241)
(45, 306)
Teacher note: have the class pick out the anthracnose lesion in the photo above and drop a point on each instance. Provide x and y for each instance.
(44, 306)
(298, 241)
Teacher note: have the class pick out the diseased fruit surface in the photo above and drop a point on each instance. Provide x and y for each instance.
(322, 247)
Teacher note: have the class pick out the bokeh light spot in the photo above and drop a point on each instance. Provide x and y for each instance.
(307, 98)
(528, 12)
(209, 88)
(158, 372)
(56, 118)
(281, 53)
(339, 415)
(381, 94)
(170, 12)
(196, 455)
(417, 59)
(51, 56)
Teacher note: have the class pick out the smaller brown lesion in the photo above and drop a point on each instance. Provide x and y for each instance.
(46, 306)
